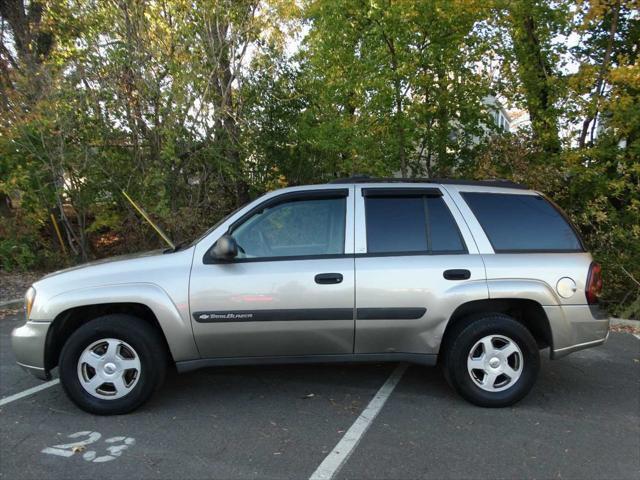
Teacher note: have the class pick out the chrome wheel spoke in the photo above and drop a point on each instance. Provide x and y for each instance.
(489, 379)
(130, 364)
(92, 359)
(511, 373)
(476, 363)
(488, 346)
(509, 349)
(112, 349)
(119, 385)
(93, 384)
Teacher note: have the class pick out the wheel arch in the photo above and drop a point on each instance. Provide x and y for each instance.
(148, 302)
(70, 320)
(526, 311)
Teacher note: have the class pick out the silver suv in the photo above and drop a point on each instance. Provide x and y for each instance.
(475, 276)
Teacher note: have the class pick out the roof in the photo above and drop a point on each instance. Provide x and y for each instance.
(497, 182)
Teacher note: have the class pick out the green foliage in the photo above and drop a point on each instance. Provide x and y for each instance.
(17, 256)
(22, 247)
(194, 107)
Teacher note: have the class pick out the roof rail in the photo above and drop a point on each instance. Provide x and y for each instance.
(492, 182)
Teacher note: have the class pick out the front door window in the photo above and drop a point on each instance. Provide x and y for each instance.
(298, 228)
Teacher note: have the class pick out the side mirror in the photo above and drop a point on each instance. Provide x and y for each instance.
(225, 248)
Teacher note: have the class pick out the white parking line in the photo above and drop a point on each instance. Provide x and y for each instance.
(29, 391)
(637, 336)
(341, 452)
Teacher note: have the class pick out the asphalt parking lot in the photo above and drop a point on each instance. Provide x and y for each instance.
(582, 420)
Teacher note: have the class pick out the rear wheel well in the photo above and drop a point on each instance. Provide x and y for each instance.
(70, 320)
(528, 312)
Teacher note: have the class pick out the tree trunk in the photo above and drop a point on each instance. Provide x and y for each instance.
(402, 155)
(535, 71)
(599, 87)
(32, 44)
(231, 131)
(398, 105)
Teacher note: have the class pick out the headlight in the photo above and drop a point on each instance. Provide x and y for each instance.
(29, 297)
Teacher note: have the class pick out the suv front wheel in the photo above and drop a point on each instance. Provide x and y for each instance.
(112, 364)
(492, 361)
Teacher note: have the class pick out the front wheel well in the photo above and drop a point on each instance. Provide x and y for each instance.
(528, 312)
(70, 320)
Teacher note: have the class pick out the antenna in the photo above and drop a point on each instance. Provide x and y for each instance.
(146, 217)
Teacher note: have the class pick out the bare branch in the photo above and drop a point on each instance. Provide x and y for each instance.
(630, 276)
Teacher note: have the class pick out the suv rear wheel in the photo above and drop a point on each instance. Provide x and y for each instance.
(112, 364)
(492, 361)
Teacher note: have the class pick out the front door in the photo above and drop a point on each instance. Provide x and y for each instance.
(290, 291)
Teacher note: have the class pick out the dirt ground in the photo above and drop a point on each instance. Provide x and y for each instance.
(13, 285)
(633, 329)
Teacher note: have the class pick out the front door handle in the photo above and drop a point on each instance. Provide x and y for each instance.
(457, 274)
(328, 278)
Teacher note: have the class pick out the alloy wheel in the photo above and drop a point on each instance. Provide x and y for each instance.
(109, 369)
(495, 363)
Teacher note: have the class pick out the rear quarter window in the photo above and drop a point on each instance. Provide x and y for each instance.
(522, 223)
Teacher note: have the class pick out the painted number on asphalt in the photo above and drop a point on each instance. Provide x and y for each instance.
(112, 450)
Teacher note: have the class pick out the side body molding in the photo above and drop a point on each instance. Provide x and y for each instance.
(173, 319)
(524, 289)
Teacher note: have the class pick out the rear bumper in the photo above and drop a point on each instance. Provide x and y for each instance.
(28, 343)
(575, 327)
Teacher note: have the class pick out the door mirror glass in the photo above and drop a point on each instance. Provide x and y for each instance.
(225, 248)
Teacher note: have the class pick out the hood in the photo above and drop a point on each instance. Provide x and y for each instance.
(104, 261)
(146, 267)
(169, 272)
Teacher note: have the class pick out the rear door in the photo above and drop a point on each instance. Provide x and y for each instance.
(416, 261)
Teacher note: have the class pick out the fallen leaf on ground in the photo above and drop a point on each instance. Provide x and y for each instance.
(625, 328)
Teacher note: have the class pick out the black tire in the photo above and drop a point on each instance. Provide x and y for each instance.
(142, 337)
(458, 350)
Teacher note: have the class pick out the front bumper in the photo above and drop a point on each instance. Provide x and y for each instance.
(28, 343)
(575, 327)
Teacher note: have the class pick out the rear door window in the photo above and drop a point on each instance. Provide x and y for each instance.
(522, 223)
(444, 235)
(411, 224)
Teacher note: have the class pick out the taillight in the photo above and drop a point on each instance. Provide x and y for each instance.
(594, 283)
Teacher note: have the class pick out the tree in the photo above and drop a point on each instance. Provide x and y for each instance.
(396, 83)
(193, 107)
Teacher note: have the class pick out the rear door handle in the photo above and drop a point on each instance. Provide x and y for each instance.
(328, 278)
(455, 274)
